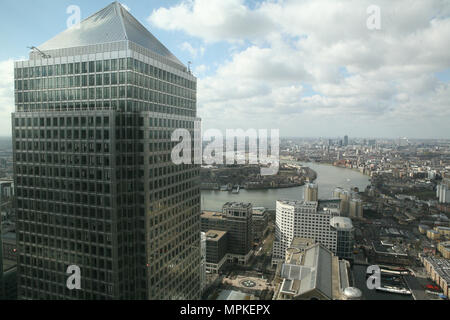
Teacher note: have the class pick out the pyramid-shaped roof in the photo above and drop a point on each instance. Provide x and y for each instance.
(111, 24)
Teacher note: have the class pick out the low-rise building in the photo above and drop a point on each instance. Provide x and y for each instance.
(315, 274)
(439, 271)
(444, 249)
(433, 235)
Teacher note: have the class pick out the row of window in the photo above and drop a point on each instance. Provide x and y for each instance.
(102, 66)
(98, 93)
(104, 79)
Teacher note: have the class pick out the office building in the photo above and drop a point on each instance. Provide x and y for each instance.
(94, 180)
(345, 197)
(443, 191)
(303, 219)
(311, 192)
(345, 237)
(236, 220)
(216, 250)
(260, 220)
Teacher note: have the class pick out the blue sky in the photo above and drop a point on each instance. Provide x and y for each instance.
(308, 68)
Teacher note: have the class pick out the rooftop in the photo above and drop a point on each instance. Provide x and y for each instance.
(341, 223)
(214, 235)
(212, 214)
(112, 24)
(315, 270)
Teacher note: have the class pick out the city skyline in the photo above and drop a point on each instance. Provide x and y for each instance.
(260, 65)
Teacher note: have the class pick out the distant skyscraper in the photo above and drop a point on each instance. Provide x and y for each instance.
(345, 140)
(95, 184)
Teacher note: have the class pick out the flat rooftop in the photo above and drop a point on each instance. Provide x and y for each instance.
(237, 205)
(212, 214)
(215, 235)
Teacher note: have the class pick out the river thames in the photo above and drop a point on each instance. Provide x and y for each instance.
(328, 178)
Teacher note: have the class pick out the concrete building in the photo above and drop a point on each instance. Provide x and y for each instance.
(94, 180)
(236, 220)
(216, 250)
(260, 219)
(311, 192)
(315, 274)
(302, 219)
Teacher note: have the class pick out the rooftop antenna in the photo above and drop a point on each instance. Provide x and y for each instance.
(43, 55)
(189, 66)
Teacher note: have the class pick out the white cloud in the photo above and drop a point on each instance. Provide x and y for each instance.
(313, 65)
(212, 19)
(194, 52)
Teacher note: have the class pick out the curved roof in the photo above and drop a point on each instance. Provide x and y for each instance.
(111, 24)
(341, 223)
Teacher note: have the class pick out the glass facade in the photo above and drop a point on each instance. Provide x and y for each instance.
(95, 183)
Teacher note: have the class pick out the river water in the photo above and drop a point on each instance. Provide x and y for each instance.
(328, 178)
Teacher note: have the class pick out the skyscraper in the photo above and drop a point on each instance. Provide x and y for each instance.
(95, 184)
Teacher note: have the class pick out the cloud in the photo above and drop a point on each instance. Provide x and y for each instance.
(313, 66)
(194, 52)
(212, 20)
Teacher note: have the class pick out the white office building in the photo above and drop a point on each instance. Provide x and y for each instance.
(302, 219)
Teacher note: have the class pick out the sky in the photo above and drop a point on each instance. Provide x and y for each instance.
(311, 68)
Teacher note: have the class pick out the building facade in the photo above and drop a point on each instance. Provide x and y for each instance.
(216, 250)
(302, 219)
(236, 220)
(94, 181)
(311, 192)
(260, 219)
